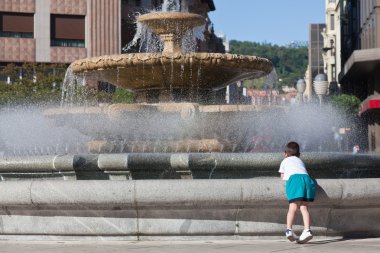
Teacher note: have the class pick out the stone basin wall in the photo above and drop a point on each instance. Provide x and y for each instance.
(159, 209)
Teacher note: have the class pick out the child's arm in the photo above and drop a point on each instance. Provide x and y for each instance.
(282, 170)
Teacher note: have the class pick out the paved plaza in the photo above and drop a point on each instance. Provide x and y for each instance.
(222, 246)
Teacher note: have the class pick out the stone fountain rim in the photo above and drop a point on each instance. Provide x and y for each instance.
(158, 16)
(245, 63)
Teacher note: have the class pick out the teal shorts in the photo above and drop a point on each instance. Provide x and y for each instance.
(300, 187)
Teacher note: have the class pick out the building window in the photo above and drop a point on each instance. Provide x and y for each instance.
(16, 25)
(333, 72)
(374, 45)
(67, 31)
(332, 22)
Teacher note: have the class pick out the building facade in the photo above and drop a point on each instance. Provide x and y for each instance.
(316, 65)
(58, 31)
(332, 46)
(62, 31)
(360, 52)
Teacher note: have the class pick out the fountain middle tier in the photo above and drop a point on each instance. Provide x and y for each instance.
(162, 127)
(190, 72)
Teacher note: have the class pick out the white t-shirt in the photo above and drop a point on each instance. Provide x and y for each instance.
(292, 165)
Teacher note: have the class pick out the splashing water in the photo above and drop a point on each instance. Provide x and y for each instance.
(271, 79)
(147, 41)
(25, 131)
(189, 40)
(73, 89)
(171, 6)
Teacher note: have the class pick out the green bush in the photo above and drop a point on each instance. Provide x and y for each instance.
(123, 96)
(41, 84)
(346, 103)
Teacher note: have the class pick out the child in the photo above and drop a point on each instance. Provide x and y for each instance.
(300, 189)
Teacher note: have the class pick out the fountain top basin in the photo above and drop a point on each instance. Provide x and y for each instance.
(169, 22)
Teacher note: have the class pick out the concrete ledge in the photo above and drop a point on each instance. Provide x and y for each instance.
(183, 208)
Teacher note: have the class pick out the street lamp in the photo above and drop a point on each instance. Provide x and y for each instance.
(333, 84)
(301, 86)
(320, 86)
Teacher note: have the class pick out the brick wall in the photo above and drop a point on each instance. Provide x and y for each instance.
(72, 7)
(67, 54)
(27, 6)
(17, 50)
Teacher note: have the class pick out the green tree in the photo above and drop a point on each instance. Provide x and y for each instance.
(290, 63)
(345, 103)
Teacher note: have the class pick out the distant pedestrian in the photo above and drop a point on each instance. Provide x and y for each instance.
(355, 149)
(300, 190)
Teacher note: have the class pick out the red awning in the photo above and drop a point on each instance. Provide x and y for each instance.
(372, 102)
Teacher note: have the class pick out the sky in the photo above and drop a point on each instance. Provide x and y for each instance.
(272, 21)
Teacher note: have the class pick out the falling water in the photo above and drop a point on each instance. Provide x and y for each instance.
(146, 39)
(189, 40)
(199, 75)
(73, 89)
(191, 82)
(149, 42)
(118, 75)
(171, 75)
(67, 88)
(271, 79)
(171, 6)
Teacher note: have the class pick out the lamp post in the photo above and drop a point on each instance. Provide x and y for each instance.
(320, 86)
(333, 84)
(301, 86)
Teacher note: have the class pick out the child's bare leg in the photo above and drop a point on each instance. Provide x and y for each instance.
(291, 214)
(305, 214)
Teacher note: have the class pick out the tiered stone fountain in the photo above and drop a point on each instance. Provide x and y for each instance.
(176, 91)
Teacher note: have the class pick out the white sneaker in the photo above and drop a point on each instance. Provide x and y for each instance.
(306, 236)
(290, 235)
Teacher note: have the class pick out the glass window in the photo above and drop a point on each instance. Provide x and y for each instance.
(333, 72)
(67, 31)
(332, 22)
